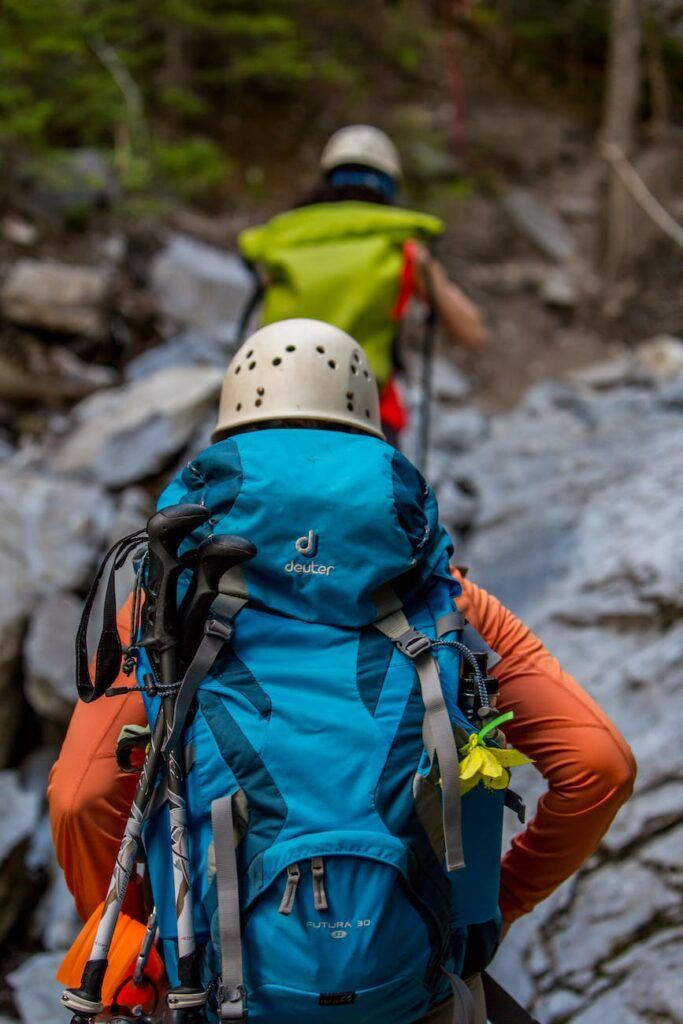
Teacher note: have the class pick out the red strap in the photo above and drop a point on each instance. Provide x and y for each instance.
(406, 286)
(392, 407)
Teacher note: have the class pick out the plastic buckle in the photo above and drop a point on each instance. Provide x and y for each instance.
(412, 643)
(223, 630)
(231, 1004)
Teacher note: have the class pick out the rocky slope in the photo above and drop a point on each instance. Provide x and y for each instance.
(111, 356)
(571, 510)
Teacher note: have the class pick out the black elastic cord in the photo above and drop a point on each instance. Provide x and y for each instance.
(109, 651)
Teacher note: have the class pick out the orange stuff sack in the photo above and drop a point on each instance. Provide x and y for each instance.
(125, 947)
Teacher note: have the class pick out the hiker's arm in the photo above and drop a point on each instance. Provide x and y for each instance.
(461, 318)
(587, 764)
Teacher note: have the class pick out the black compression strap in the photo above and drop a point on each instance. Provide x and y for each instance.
(109, 652)
(501, 1008)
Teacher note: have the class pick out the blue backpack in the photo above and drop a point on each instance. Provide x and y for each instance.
(336, 871)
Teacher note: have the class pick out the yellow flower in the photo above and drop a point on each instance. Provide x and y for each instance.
(489, 765)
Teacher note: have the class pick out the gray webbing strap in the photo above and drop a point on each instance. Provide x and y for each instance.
(448, 623)
(217, 632)
(437, 731)
(464, 1007)
(233, 1005)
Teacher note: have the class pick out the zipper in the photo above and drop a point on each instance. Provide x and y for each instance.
(319, 894)
(289, 895)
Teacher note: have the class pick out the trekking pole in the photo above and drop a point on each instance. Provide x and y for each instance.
(215, 557)
(429, 335)
(85, 1002)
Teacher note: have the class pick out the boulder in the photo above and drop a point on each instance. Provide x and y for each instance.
(129, 433)
(540, 224)
(35, 990)
(70, 184)
(53, 530)
(198, 285)
(49, 656)
(575, 525)
(19, 813)
(57, 296)
(189, 348)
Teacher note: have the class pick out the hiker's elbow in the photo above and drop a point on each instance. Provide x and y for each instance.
(612, 767)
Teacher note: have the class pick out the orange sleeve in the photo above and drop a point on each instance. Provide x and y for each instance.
(90, 798)
(587, 764)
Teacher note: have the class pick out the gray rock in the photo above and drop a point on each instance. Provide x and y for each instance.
(49, 656)
(19, 815)
(52, 532)
(18, 231)
(57, 296)
(577, 527)
(659, 360)
(561, 289)
(56, 921)
(648, 813)
(198, 285)
(540, 224)
(647, 985)
(53, 527)
(558, 1006)
(449, 384)
(190, 348)
(70, 184)
(127, 434)
(609, 909)
(36, 991)
(458, 430)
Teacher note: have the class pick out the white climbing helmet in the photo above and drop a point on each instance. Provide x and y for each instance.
(299, 370)
(361, 144)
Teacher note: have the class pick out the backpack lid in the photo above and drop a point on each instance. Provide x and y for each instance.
(328, 223)
(341, 263)
(335, 516)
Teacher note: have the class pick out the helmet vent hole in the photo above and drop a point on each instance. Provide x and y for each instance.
(353, 369)
(277, 361)
(349, 406)
(331, 363)
(249, 354)
(238, 407)
(367, 413)
(366, 374)
(260, 391)
(291, 348)
(320, 348)
(349, 395)
(237, 369)
(356, 356)
(252, 364)
(258, 402)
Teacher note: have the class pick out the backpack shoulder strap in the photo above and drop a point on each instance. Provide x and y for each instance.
(218, 630)
(437, 730)
(231, 996)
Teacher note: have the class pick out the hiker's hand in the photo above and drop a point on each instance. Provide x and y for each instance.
(425, 266)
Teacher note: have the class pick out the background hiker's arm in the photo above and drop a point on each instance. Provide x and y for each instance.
(587, 764)
(460, 317)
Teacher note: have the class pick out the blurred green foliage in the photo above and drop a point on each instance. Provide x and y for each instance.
(171, 85)
(563, 46)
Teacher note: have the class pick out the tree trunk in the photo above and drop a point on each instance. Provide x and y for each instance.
(619, 129)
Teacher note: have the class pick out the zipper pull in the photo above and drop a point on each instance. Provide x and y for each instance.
(293, 876)
(319, 894)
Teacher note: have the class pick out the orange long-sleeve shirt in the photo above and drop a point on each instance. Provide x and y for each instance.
(587, 764)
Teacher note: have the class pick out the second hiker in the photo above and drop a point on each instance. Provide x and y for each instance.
(349, 256)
